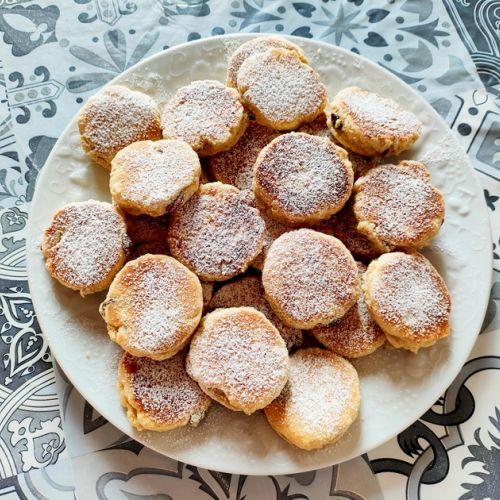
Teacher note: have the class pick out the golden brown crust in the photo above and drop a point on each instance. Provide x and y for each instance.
(320, 401)
(258, 46)
(280, 90)
(216, 233)
(309, 278)
(408, 299)
(153, 178)
(115, 118)
(159, 395)
(205, 114)
(238, 358)
(302, 179)
(247, 291)
(397, 207)
(85, 245)
(355, 334)
(153, 306)
(371, 125)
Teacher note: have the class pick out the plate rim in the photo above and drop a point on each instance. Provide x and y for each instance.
(31, 238)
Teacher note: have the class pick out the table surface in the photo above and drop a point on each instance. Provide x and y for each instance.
(54, 55)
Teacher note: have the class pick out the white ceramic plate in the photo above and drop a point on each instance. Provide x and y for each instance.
(397, 386)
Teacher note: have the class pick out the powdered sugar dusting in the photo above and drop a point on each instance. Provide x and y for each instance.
(153, 175)
(248, 291)
(404, 207)
(378, 115)
(408, 292)
(239, 353)
(303, 175)
(158, 303)
(277, 85)
(354, 335)
(257, 46)
(205, 112)
(321, 398)
(117, 117)
(312, 276)
(84, 242)
(319, 126)
(235, 166)
(163, 390)
(216, 233)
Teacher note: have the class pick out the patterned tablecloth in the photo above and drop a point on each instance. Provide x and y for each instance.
(54, 55)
